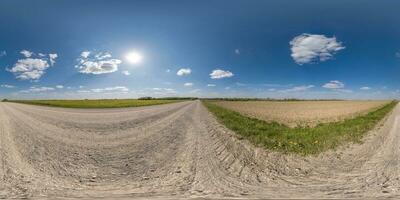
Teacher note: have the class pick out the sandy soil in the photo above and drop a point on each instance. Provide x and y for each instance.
(177, 151)
(302, 113)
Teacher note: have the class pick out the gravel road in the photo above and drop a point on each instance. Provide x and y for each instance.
(177, 151)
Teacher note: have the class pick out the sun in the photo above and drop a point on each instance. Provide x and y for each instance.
(134, 57)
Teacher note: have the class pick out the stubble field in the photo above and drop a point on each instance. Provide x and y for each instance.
(301, 113)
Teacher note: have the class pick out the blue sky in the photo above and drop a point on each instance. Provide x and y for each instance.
(128, 49)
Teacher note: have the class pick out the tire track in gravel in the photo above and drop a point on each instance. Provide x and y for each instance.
(177, 151)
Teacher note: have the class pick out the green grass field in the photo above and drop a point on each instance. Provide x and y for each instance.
(101, 103)
(300, 140)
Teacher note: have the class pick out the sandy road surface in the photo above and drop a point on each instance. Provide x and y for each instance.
(177, 151)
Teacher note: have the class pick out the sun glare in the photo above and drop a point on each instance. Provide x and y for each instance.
(133, 57)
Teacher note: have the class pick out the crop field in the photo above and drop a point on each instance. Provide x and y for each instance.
(98, 103)
(299, 139)
(301, 113)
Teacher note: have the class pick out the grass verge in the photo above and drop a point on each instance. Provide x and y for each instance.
(300, 140)
(100, 103)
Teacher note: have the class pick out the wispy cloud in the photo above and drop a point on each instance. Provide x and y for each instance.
(344, 90)
(333, 85)
(163, 91)
(111, 89)
(126, 73)
(301, 88)
(59, 86)
(308, 48)
(240, 84)
(188, 84)
(365, 88)
(237, 51)
(276, 85)
(35, 89)
(211, 85)
(7, 86)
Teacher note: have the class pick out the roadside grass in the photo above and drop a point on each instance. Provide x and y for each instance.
(98, 103)
(299, 140)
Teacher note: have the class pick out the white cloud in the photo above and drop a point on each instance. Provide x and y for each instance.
(301, 88)
(26, 53)
(59, 86)
(29, 68)
(333, 85)
(7, 86)
(41, 54)
(188, 84)
(3, 53)
(85, 54)
(126, 72)
(122, 89)
(184, 71)
(365, 88)
(168, 70)
(211, 85)
(100, 63)
(308, 48)
(53, 57)
(218, 74)
(237, 51)
(271, 90)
